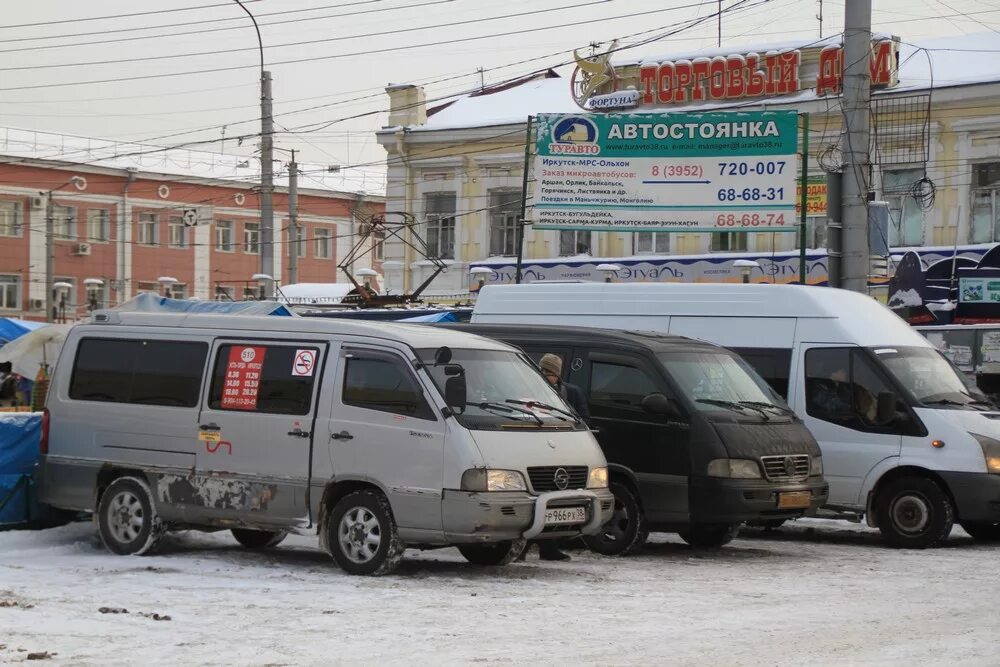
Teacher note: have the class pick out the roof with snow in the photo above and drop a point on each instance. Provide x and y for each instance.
(148, 158)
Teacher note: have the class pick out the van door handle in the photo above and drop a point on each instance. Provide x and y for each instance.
(299, 433)
(209, 427)
(343, 435)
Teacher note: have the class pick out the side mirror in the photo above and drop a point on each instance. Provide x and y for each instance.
(442, 355)
(455, 392)
(885, 408)
(658, 404)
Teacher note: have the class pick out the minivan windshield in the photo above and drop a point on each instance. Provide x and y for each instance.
(929, 377)
(503, 390)
(720, 380)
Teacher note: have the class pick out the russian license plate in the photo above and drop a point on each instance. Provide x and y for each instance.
(794, 499)
(563, 515)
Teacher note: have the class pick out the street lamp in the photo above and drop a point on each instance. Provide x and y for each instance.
(746, 266)
(610, 271)
(93, 286)
(166, 282)
(479, 274)
(367, 274)
(62, 288)
(263, 280)
(49, 245)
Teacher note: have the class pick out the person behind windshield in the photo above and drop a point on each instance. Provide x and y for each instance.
(834, 393)
(551, 365)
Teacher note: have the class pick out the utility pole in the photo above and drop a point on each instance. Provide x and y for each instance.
(719, 42)
(266, 182)
(293, 224)
(49, 259)
(855, 138)
(820, 18)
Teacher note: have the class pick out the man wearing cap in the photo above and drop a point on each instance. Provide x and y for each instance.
(551, 365)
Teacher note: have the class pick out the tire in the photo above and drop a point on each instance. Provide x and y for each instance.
(914, 513)
(626, 530)
(126, 518)
(982, 531)
(361, 534)
(497, 553)
(259, 539)
(709, 535)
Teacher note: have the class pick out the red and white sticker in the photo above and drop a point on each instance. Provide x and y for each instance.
(305, 362)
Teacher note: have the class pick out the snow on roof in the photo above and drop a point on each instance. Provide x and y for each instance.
(509, 105)
(148, 158)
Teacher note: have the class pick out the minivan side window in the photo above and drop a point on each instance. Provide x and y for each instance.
(145, 372)
(619, 384)
(842, 387)
(382, 383)
(256, 377)
(772, 364)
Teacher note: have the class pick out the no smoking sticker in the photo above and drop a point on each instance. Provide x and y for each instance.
(305, 362)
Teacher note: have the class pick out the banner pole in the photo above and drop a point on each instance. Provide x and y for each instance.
(519, 233)
(803, 198)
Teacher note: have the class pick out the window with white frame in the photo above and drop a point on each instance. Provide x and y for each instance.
(10, 292)
(98, 224)
(64, 222)
(148, 229)
(816, 228)
(379, 238)
(178, 291)
(10, 218)
(224, 235)
(439, 212)
(985, 226)
(575, 242)
(906, 220)
(300, 240)
(646, 243)
(251, 238)
(144, 286)
(729, 241)
(505, 210)
(176, 232)
(225, 293)
(324, 243)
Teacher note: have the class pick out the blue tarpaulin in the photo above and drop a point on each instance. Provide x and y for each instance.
(19, 434)
(11, 328)
(445, 316)
(153, 303)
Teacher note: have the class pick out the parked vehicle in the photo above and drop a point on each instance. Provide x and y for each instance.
(905, 443)
(974, 349)
(376, 436)
(696, 442)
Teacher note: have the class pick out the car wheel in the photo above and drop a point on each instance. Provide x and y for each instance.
(626, 530)
(126, 518)
(259, 539)
(709, 535)
(982, 531)
(496, 553)
(361, 534)
(914, 513)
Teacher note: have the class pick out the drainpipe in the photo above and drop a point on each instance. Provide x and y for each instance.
(401, 148)
(123, 221)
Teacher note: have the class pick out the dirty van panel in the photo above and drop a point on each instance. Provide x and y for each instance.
(255, 434)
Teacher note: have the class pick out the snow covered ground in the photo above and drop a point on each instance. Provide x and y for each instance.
(818, 592)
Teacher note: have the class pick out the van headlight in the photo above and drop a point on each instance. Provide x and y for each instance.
(816, 466)
(991, 451)
(734, 468)
(483, 479)
(598, 478)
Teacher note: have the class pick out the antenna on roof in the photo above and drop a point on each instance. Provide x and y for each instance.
(482, 81)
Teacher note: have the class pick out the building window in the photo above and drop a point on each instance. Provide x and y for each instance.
(251, 238)
(299, 242)
(10, 292)
(176, 232)
(906, 220)
(225, 293)
(729, 242)
(64, 222)
(144, 287)
(224, 235)
(439, 211)
(645, 243)
(816, 229)
(10, 218)
(178, 291)
(148, 229)
(98, 224)
(574, 242)
(505, 210)
(379, 237)
(985, 202)
(324, 243)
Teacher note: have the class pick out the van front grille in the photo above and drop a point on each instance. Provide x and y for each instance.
(786, 468)
(544, 478)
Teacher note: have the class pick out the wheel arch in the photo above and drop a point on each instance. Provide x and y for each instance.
(620, 473)
(904, 471)
(337, 489)
(109, 473)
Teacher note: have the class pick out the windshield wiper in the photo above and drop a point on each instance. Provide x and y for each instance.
(545, 406)
(733, 405)
(491, 405)
(762, 404)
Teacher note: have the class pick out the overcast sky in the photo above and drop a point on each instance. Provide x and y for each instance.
(347, 81)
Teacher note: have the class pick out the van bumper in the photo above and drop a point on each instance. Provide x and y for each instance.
(721, 500)
(493, 516)
(976, 494)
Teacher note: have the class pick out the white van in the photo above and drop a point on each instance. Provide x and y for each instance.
(377, 436)
(905, 443)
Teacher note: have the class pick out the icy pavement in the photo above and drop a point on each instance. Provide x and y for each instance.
(818, 592)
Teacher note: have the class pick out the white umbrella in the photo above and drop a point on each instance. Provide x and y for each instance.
(34, 348)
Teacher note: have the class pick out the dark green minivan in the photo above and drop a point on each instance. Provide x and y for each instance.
(697, 443)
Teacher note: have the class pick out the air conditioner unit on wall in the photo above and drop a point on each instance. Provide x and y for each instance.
(82, 249)
(37, 202)
(37, 304)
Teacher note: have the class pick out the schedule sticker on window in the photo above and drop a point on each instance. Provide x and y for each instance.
(243, 372)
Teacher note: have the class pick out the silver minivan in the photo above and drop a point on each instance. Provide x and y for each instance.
(376, 436)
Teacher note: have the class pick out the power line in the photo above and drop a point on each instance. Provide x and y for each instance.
(120, 16)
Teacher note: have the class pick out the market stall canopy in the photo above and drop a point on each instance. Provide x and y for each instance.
(12, 328)
(29, 352)
(153, 303)
(433, 317)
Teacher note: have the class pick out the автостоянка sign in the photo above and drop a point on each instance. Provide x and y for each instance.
(666, 172)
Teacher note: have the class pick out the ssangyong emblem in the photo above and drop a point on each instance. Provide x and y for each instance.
(789, 466)
(561, 478)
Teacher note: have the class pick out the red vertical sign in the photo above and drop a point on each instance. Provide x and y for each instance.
(243, 368)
